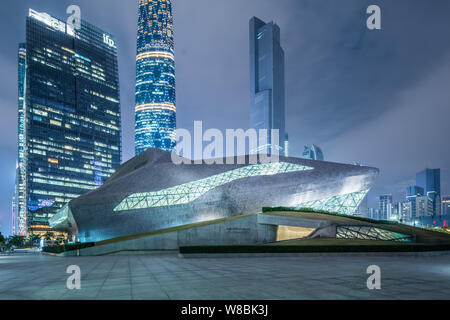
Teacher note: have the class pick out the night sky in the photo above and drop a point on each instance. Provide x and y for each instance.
(377, 97)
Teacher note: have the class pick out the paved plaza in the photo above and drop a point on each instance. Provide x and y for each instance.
(165, 276)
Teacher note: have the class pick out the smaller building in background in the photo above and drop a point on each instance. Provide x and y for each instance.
(406, 213)
(374, 214)
(395, 210)
(412, 193)
(430, 181)
(313, 153)
(385, 204)
(424, 206)
(445, 206)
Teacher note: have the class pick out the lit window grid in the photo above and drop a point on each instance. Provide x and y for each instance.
(343, 204)
(155, 122)
(370, 233)
(155, 25)
(191, 191)
(155, 128)
(73, 140)
(20, 217)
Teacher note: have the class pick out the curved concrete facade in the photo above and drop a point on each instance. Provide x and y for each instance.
(150, 192)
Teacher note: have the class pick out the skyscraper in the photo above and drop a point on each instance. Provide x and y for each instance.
(395, 209)
(430, 181)
(69, 117)
(267, 88)
(19, 209)
(385, 205)
(155, 110)
(424, 207)
(445, 205)
(374, 213)
(413, 191)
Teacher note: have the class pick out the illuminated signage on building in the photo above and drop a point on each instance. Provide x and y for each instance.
(48, 20)
(110, 42)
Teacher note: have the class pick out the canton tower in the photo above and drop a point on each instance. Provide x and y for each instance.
(155, 109)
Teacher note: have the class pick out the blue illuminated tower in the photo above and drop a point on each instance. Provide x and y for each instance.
(155, 111)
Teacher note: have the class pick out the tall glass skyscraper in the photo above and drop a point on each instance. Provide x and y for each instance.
(155, 111)
(430, 181)
(69, 117)
(19, 211)
(267, 84)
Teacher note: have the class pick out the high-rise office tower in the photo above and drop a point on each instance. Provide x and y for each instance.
(69, 116)
(424, 206)
(445, 210)
(155, 110)
(395, 209)
(407, 211)
(385, 206)
(412, 194)
(374, 213)
(413, 191)
(19, 207)
(430, 181)
(267, 88)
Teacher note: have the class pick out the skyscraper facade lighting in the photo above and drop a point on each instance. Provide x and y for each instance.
(385, 203)
(19, 211)
(69, 117)
(430, 181)
(155, 110)
(267, 82)
(445, 205)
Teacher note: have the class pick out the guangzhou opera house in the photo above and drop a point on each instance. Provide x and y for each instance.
(151, 193)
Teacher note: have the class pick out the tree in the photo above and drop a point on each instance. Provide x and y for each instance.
(32, 239)
(48, 236)
(17, 241)
(2, 238)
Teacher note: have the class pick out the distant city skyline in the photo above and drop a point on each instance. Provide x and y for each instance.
(421, 205)
(352, 91)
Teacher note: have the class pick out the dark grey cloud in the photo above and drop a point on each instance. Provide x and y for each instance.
(409, 136)
(373, 96)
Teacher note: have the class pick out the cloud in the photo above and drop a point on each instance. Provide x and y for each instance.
(411, 135)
